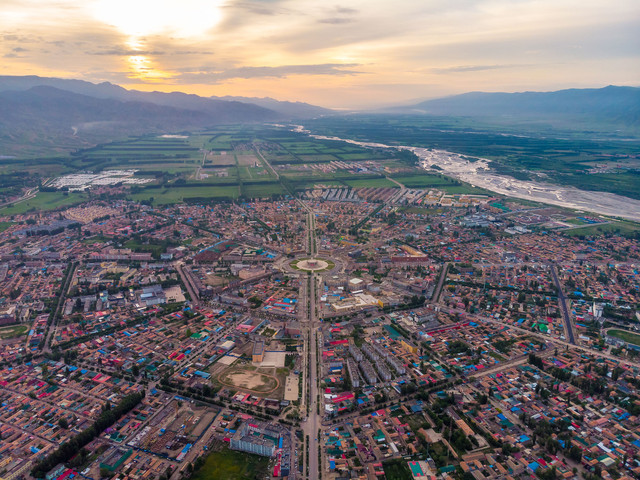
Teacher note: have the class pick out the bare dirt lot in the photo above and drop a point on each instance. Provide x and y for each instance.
(224, 160)
(248, 160)
(249, 380)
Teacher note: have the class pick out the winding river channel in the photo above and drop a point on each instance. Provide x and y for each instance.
(478, 173)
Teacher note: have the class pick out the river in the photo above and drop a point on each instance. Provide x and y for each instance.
(478, 173)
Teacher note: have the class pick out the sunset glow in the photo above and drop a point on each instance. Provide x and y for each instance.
(353, 54)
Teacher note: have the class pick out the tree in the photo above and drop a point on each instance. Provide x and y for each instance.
(63, 423)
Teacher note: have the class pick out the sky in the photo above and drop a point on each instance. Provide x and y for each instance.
(348, 54)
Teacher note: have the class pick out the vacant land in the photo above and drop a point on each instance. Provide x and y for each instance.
(249, 380)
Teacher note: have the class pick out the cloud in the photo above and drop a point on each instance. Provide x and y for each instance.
(336, 20)
(267, 72)
(259, 8)
(408, 49)
(126, 52)
(346, 10)
(339, 16)
(473, 68)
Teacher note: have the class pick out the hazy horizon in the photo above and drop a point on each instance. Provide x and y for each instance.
(350, 55)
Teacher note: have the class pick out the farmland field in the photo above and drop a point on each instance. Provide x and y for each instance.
(224, 164)
(370, 183)
(262, 190)
(521, 151)
(45, 201)
(618, 227)
(423, 181)
(163, 196)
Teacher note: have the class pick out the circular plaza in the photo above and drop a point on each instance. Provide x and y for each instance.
(312, 264)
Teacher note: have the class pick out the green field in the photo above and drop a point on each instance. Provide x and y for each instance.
(5, 225)
(520, 150)
(231, 465)
(370, 183)
(628, 337)
(13, 331)
(165, 196)
(624, 228)
(396, 469)
(422, 210)
(262, 191)
(44, 201)
(419, 180)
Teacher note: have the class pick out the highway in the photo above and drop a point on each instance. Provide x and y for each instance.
(313, 422)
(29, 194)
(562, 299)
(310, 324)
(64, 290)
(443, 276)
(187, 284)
(309, 317)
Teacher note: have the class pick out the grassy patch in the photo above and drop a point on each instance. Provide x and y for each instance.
(397, 469)
(164, 196)
(371, 183)
(418, 180)
(231, 465)
(422, 210)
(497, 356)
(5, 225)
(44, 201)
(13, 331)
(623, 228)
(628, 337)
(261, 191)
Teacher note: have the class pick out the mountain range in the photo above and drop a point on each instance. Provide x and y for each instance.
(43, 115)
(613, 104)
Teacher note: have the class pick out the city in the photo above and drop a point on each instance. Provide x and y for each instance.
(356, 331)
(302, 240)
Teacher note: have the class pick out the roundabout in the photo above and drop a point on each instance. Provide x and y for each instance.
(312, 265)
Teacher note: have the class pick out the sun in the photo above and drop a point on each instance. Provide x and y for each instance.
(138, 18)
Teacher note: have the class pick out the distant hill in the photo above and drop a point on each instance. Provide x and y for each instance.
(611, 104)
(46, 119)
(224, 106)
(289, 109)
(41, 115)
